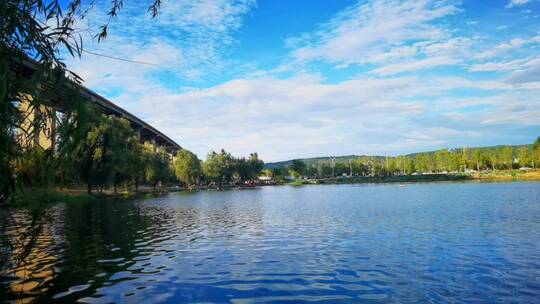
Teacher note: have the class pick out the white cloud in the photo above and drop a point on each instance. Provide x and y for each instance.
(515, 43)
(513, 3)
(302, 116)
(187, 38)
(508, 47)
(411, 66)
(363, 32)
(506, 65)
(529, 74)
(453, 46)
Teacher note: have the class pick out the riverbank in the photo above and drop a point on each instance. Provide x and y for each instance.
(32, 197)
(498, 175)
(384, 179)
(508, 175)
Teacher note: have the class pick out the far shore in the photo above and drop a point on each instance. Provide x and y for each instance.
(498, 175)
(30, 196)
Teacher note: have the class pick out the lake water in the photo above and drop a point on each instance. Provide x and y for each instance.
(440, 242)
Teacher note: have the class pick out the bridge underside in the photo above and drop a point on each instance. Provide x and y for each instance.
(59, 95)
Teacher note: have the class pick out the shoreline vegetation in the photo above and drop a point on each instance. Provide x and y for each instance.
(30, 196)
(110, 171)
(133, 175)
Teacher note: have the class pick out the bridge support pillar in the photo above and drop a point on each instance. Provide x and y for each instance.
(44, 135)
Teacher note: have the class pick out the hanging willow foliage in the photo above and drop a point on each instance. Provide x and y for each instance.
(33, 34)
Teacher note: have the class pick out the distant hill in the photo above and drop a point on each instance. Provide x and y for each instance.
(313, 160)
(346, 158)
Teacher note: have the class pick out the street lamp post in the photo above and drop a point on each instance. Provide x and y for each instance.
(333, 165)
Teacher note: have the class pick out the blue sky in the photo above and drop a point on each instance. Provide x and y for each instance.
(304, 78)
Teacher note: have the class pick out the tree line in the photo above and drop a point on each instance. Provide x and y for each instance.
(441, 161)
(105, 153)
(218, 168)
(108, 154)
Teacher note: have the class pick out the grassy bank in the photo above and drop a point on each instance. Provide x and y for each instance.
(507, 175)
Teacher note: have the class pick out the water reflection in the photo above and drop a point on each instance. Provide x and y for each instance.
(31, 276)
(421, 243)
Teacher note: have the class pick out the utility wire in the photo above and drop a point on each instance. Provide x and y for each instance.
(106, 56)
(121, 59)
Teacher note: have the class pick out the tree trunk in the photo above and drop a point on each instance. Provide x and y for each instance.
(89, 188)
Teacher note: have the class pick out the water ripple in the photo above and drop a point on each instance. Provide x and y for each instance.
(464, 242)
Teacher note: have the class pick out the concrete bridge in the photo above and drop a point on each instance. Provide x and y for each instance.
(145, 132)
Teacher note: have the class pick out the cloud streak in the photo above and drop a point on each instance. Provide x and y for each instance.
(361, 33)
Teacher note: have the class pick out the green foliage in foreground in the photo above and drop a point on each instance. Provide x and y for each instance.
(108, 154)
(42, 31)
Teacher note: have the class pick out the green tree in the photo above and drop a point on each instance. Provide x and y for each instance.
(267, 172)
(408, 165)
(219, 167)
(255, 166)
(419, 163)
(454, 158)
(187, 167)
(138, 161)
(536, 153)
(158, 170)
(132, 163)
(297, 166)
(106, 156)
(360, 167)
(279, 172)
(508, 157)
(442, 158)
(464, 159)
(478, 158)
(494, 158)
(524, 156)
(341, 168)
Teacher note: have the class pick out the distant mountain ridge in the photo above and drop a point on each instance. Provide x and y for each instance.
(346, 158)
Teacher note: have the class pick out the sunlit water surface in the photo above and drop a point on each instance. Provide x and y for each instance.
(444, 242)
